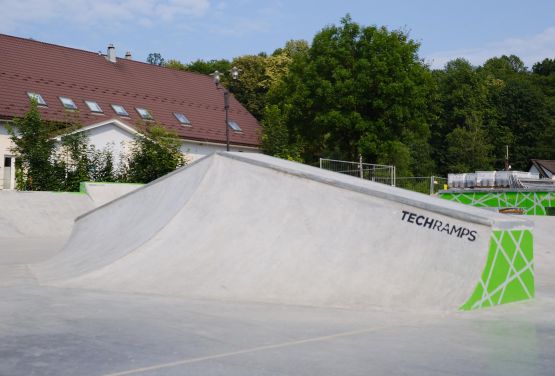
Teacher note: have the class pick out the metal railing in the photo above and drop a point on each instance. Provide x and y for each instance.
(374, 172)
(385, 174)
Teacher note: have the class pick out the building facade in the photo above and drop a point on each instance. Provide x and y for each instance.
(111, 98)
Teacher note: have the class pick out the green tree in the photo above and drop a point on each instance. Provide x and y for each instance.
(208, 67)
(355, 90)
(154, 153)
(175, 64)
(251, 87)
(275, 136)
(461, 113)
(34, 149)
(544, 68)
(155, 58)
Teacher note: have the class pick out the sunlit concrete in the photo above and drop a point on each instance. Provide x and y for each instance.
(46, 330)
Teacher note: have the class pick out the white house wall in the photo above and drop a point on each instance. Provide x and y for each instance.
(5, 146)
(112, 137)
(197, 150)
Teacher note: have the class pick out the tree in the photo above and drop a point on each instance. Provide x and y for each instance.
(460, 127)
(356, 89)
(155, 58)
(208, 67)
(154, 153)
(33, 149)
(48, 164)
(250, 89)
(275, 136)
(545, 67)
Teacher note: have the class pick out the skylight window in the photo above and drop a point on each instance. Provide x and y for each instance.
(233, 125)
(182, 118)
(119, 110)
(38, 98)
(68, 103)
(94, 107)
(144, 113)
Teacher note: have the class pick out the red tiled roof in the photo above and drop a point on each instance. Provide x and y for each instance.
(54, 71)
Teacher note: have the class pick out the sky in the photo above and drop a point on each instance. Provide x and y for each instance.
(188, 30)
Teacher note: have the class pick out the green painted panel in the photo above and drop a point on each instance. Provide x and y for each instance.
(533, 203)
(508, 275)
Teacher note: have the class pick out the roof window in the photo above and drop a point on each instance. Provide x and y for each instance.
(233, 125)
(94, 107)
(182, 118)
(37, 97)
(144, 113)
(68, 103)
(119, 110)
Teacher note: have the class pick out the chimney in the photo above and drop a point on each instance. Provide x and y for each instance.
(128, 55)
(111, 56)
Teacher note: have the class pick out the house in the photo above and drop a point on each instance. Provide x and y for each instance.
(111, 96)
(544, 168)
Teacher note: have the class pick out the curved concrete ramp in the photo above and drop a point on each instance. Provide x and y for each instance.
(255, 228)
(102, 192)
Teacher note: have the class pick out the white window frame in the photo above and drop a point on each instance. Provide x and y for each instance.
(115, 106)
(144, 113)
(178, 115)
(68, 103)
(36, 96)
(94, 107)
(234, 126)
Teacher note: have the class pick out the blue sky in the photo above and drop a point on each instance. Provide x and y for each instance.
(209, 29)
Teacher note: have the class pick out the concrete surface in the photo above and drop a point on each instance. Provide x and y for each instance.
(59, 331)
(259, 229)
(102, 193)
(46, 330)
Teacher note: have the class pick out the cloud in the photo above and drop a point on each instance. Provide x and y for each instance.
(99, 12)
(530, 49)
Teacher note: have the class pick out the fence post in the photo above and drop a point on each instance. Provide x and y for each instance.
(393, 172)
(431, 185)
(320, 162)
(360, 166)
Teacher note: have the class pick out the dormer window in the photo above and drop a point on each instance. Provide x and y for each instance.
(233, 125)
(37, 97)
(118, 109)
(68, 103)
(94, 107)
(182, 118)
(144, 113)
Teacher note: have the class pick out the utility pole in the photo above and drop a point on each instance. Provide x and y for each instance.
(507, 158)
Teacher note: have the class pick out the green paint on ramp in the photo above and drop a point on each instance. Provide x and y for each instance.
(509, 272)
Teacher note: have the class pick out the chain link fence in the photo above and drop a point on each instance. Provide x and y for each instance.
(374, 172)
(385, 174)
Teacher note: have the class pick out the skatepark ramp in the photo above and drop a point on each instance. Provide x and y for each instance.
(249, 227)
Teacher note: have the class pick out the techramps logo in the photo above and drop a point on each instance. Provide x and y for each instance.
(509, 272)
(437, 225)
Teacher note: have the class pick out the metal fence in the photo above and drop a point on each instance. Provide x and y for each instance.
(374, 172)
(384, 174)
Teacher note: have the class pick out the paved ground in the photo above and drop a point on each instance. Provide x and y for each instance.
(56, 331)
(52, 331)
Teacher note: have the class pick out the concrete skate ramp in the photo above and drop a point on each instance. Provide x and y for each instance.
(250, 227)
(102, 193)
(40, 214)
